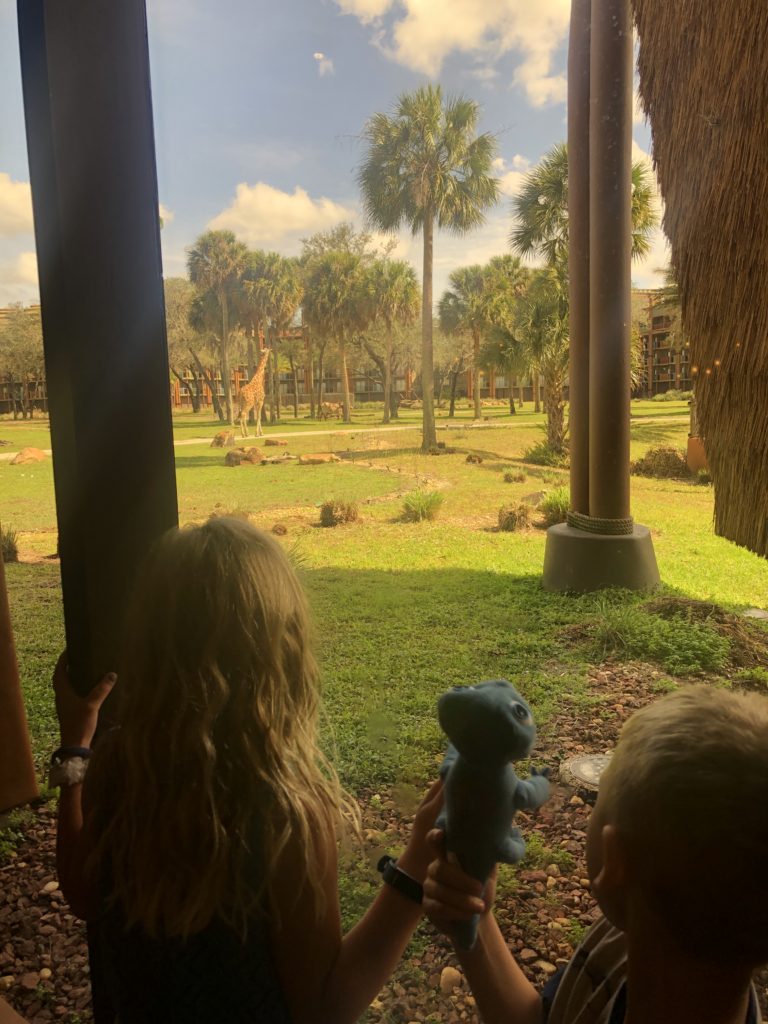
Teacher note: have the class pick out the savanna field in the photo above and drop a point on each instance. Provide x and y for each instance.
(402, 611)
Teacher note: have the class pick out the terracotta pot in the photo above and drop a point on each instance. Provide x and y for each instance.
(697, 457)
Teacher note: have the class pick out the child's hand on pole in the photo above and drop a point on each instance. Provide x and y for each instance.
(78, 716)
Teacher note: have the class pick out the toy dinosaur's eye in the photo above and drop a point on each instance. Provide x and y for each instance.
(520, 712)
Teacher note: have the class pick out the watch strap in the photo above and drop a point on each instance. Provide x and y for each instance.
(399, 880)
(64, 753)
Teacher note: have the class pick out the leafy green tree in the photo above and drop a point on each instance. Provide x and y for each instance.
(541, 210)
(216, 263)
(184, 342)
(425, 165)
(21, 357)
(333, 304)
(541, 327)
(391, 292)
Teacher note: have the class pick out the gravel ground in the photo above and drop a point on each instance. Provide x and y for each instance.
(543, 908)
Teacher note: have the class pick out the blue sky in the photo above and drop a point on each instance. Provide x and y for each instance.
(259, 107)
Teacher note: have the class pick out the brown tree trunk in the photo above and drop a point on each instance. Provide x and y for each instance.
(454, 381)
(536, 381)
(429, 435)
(209, 380)
(321, 353)
(344, 379)
(274, 410)
(295, 372)
(476, 373)
(388, 377)
(223, 300)
(555, 409)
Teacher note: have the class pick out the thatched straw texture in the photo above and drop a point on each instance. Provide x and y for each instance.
(704, 83)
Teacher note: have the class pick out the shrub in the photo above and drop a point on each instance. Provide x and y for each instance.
(554, 506)
(752, 679)
(514, 476)
(673, 395)
(680, 645)
(9, 544)
(542, 455)
(334, 513)
(514, 517)
(665, 463)
(420, 505)
(703, 477)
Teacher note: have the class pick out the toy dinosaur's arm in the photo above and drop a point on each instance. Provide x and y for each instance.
(533, 792)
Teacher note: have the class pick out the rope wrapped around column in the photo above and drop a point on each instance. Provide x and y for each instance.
(591, 524)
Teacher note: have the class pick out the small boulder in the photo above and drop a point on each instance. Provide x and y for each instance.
(275, 442)
(27, 456)
(224, 439)
(318, 459)
(476, 459)
(280, 529)
(450, 979)
(244, 457)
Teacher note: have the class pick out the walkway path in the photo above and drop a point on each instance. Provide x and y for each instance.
(461, 425)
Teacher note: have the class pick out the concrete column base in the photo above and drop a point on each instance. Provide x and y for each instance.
(576, 561)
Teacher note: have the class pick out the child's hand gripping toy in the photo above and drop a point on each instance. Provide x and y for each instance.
(489, 725)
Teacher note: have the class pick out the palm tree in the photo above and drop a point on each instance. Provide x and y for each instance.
(541, 326)
(332, 304)
(541, 210)
(215, 263)
(426, 165)
(282, 291)
(392, 292)
(464, 309)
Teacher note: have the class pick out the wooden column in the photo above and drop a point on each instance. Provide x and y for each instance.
(18, 784)
(610, 257)
(85, 76)
(578, 249)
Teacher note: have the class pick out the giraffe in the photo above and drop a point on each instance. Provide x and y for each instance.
(251, 396)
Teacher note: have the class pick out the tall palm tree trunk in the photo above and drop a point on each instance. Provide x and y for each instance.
(429, 435)
(555, 411)
(344, 379)
(225, 357)
(388, 377)
(274, 411)
(536, 381)
(476, 374)
(295, 372)
(321, 352)
(512, 408)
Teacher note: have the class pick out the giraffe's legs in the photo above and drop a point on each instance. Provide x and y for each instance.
(257, 410)
(243, 421)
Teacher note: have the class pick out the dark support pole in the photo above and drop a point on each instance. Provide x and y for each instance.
(578, 249)
(610, 258)
(85, 72)
(600, 545)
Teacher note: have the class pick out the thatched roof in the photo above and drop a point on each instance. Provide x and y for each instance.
(704, 83)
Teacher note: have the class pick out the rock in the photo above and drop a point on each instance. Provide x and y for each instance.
(244, 456)
(6, 982)
(553, 870)
(450, 979)
(27, 456)
(318, 459)
(477, 459)
(224, 439)
(30, 980)
(274, 442)
(551, 882)
(277, 460)
(45, 974)
(545, 967)
(50, 886)
(527, 956)
(280, 529)
(755, 613)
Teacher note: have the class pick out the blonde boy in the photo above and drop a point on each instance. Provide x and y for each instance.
(677, 854)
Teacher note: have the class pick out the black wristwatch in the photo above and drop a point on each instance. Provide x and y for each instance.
(399, 880)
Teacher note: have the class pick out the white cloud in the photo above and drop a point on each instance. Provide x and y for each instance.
(166, 214)
(263, 215)
(421, 33)
(18, 279)
(511, 173)
(324, 64)
(15, 207)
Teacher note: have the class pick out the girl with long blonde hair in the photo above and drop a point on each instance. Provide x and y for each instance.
(202, 848)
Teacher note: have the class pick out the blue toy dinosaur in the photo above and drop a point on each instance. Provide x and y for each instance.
(489, 725)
